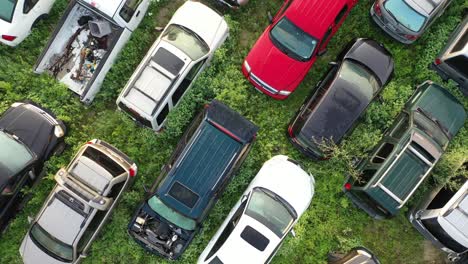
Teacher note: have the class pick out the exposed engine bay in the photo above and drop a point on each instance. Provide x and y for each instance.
(160, 236)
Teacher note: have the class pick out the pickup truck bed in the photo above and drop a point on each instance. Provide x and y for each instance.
(73, 55)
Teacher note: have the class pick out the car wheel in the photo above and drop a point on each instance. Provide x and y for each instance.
(334, 256)
(60, 148)
(41, 17)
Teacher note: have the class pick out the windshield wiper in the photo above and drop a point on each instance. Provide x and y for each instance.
(436, 121)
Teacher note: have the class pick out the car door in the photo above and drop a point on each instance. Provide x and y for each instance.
(11, 194)
(131, 13)
(188, 81)
(334, 26)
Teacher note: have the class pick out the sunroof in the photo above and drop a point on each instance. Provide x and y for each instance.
(254, 238)
(183, 194)
(168, 61)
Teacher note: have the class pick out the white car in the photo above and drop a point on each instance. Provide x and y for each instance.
(178, 56)
(267, 211)
(18, 17)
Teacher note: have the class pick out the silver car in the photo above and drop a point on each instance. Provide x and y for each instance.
(406, 20)
(442, 218)
(452, 61)
(86, 193)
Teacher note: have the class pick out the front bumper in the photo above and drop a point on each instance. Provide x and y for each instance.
(261, 88)
(389, 32)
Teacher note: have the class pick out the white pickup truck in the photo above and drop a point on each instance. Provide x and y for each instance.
(87, 41)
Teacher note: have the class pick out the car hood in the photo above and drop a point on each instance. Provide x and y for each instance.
(31, 127)
(275, 68)
(235, 244)
(32, 254)
(287, 180)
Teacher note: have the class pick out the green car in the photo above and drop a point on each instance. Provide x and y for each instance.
(408, 151)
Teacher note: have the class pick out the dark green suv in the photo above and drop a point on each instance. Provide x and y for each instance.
(407, 152)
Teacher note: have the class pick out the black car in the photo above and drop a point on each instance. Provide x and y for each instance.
(29, 135)
(341, 97)
(202, 165)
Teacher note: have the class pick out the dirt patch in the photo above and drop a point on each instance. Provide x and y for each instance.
(165, 13)
(244, 39)
(432, 255)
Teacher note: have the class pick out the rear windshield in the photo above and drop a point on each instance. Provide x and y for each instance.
(105, 161)
(7, 8)
(405, 14)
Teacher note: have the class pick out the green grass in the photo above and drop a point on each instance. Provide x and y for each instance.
(330, 224)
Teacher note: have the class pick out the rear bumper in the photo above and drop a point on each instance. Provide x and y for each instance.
(389, 32)
(304, 151)
(359, 203)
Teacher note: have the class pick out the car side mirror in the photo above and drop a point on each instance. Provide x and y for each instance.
(145, 188)
(293, 233)
(322, 52)
(333, 63)
(244, 198)
(32, 175)
(30, 219)
(270, 17)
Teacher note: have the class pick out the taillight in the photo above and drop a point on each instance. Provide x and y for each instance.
(411, 37)
(290, 131)
(377, 9)
(89, 143)
(132, 172)
(347, 186)
(8, 38)
(437, 61)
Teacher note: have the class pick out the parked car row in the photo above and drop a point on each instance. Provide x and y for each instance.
(82, 50)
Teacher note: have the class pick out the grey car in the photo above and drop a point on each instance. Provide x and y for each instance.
(452, 61)
(441, 217)
(86, 193)
(406, 20)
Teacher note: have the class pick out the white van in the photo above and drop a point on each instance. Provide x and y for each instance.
(87, 40)
(179, 55)
(18, 17)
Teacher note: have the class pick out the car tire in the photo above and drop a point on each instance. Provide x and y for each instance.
(334, 256)
(60, 148)
(41, 17)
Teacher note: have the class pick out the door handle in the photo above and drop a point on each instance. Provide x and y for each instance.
(138, 13)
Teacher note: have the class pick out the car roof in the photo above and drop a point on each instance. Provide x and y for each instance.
(442, 105)
(249, 237)
(336, 112)
(374, 56)
(314, 16)
(52, 220)
(424, 7)
(202, 166)
(402, 173)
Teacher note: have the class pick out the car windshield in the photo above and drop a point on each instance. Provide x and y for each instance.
(50, 244)
(187, 41)
(171, 215)
(405, 14)
(270, 210)
(7, 8)
(430, 128)
(14, 156)
(356, 74)
(291, 40)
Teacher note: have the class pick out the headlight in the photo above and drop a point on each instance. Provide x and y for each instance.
(58, 131)
(284, 93)
(16, 104)
(247, 66)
